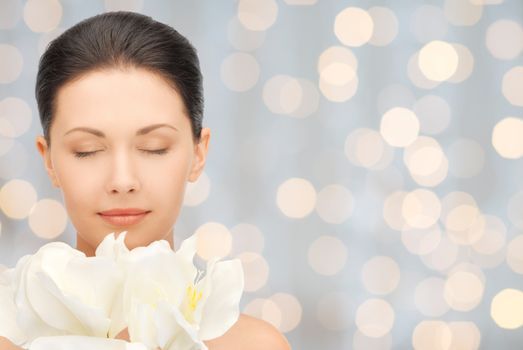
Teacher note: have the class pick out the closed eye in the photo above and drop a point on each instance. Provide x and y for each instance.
(90, 154)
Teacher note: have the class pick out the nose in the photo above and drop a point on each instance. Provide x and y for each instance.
(123, 177)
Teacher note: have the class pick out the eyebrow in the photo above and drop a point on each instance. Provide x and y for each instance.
(141, 131)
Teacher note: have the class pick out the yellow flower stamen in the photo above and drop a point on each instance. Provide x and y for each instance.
(193, 296)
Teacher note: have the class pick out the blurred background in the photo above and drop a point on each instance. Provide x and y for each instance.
(365, 161)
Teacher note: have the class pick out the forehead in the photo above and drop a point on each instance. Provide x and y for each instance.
(109, 97)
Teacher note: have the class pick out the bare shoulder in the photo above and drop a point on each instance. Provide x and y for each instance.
(250, 333)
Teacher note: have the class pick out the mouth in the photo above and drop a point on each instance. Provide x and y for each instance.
(124, 219)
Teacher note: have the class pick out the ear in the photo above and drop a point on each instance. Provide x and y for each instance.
(44, 150)
(200, 152)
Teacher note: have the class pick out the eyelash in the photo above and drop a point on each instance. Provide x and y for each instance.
(89, 154)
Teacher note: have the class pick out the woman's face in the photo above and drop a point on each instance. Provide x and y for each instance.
(133, 165)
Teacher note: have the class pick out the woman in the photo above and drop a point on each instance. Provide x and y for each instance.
(121, 105)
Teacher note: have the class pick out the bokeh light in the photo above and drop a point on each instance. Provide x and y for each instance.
(353, 26)
(17, 198)
(48, 218)
(507, 137)
(327, 255)
(296, 197)
(506, 308)
(213, 241)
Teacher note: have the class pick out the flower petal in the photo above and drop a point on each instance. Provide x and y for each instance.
(8, 326)
(112, 248)
(76, 342)
(221, 309)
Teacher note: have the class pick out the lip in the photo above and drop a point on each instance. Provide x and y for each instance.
(124, 216)
(123, 211)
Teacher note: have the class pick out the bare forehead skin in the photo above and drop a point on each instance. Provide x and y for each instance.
(133, 93)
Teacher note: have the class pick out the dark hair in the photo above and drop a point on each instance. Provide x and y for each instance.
(120, 40)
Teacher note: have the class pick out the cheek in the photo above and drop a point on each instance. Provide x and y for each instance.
(77, 185)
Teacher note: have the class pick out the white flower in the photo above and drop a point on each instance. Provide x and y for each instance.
(77, 342)
(8, 327)
(59, 291)
(165, 302)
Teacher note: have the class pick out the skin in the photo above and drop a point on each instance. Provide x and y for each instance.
(121, 173)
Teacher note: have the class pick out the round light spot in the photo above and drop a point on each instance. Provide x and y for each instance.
(310, 99)
(361, 342)
(465, 64)
(428, 23)
(48, 219)
(257, 15)
(465, 335)
(337, 54)
(438, 60)
(465, 224)
(12, 63)
(337, 93)
(213, 241)
(515, 209)
(283, 94)
(10, 14)
(515, 254)
(493, 237)
(421, 208)
(42, 15)
(426, 162)
(431, 335)
(433, 113)
(296, 197)
(255, 269)
(124, 5)
(416, 76)
(385, 25)
(334, 204)
(264, 309)
(428, 297)
(453, 200)
(353, 26)
(333, 311)
(399, 126)
(247, 238)
(327, 255)
(366, 148)
(463, 291)
(381, 275)
(337, 74)
(462, 12)
(6, 143)
(17, 198)
(507, 137)
(392, 210)
(511, 86)
(506, 308)
(421, 241)
(375, 317)
(15, 112)
(504, 39)
(291, 311)
(442, 257)
(466, 158)
(197, 192)
(242, 38)
(240, 71)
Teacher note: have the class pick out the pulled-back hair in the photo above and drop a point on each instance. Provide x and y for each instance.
(120, 40)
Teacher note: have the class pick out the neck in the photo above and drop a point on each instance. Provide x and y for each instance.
(83, 246)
